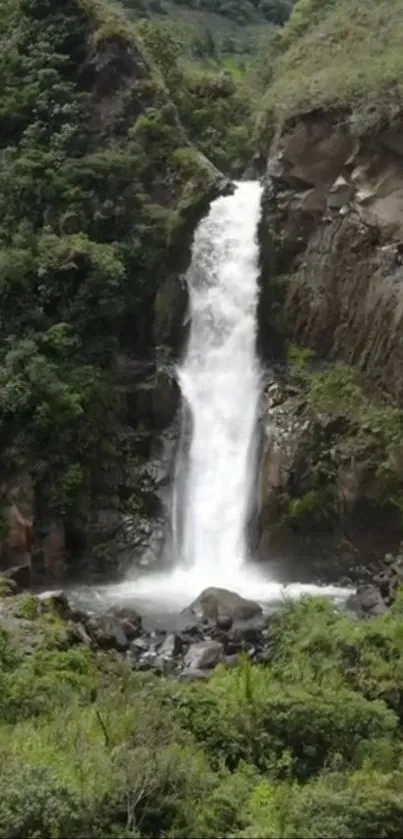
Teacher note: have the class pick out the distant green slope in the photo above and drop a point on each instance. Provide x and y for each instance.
(207, 30)
(339, 53)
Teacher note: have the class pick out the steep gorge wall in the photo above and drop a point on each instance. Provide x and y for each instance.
(332, 281)
(336, 206)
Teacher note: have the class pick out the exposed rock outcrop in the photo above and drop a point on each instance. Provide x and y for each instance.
(334, 219)
(373, 599)
(332, 280)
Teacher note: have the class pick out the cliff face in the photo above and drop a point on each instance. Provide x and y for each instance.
(332, 283)
(331, 298)
(344, 294)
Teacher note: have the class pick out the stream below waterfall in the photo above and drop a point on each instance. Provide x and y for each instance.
(215, 476)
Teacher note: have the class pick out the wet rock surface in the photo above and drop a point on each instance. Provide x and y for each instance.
(367, 602)
(373, 599)
(191, 651)
(195, 647)
(19, 575)
(204, 655)
(223, 605)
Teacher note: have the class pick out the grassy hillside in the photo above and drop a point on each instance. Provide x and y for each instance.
(342, 54)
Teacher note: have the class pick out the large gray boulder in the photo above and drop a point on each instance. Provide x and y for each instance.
(366, 602)
(204, 656)
(218, 603)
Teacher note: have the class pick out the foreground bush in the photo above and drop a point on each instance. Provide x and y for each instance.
(247, 715)
(364, 804)
(309, 746)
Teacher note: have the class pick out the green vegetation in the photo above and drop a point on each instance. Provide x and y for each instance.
(105, 120)
(349, 438)
(215, 109)
(275, 11)
(212, 29)
(341, 54)
(92, 199)
(309, 745)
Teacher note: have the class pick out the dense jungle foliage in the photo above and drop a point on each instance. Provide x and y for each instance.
(97, 177)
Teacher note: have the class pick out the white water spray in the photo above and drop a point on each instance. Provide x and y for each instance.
(220, 384)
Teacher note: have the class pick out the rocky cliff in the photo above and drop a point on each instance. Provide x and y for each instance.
(341, 201)
(332, 280)
(330, 310)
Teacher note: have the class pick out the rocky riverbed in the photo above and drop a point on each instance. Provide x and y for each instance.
(216, 628)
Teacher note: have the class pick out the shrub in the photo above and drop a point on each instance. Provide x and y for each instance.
(313, 641)
(247, 715)
(302, 747)
(357, 806)
(32, 804)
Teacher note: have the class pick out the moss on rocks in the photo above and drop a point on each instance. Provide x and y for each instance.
(333, 476)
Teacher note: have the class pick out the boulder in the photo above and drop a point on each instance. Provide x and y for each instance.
(21, 575)
(218, 603)
(7, 587)
(224, 622)
(149, 661)
(366, 602)
(129, 619)
(108, 633)
(340, 194)
(204, 655)
(265, 656)
(171, 646)
(232, 660)
(78, 634)
(139, 645)
(55, 601)
(188, 623)
(248, 631)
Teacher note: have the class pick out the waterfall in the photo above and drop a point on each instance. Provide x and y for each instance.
(220, 385)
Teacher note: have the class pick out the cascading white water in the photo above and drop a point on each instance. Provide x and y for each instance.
(219, 381)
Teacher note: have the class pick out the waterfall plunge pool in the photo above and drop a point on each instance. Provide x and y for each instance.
(160, 598)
